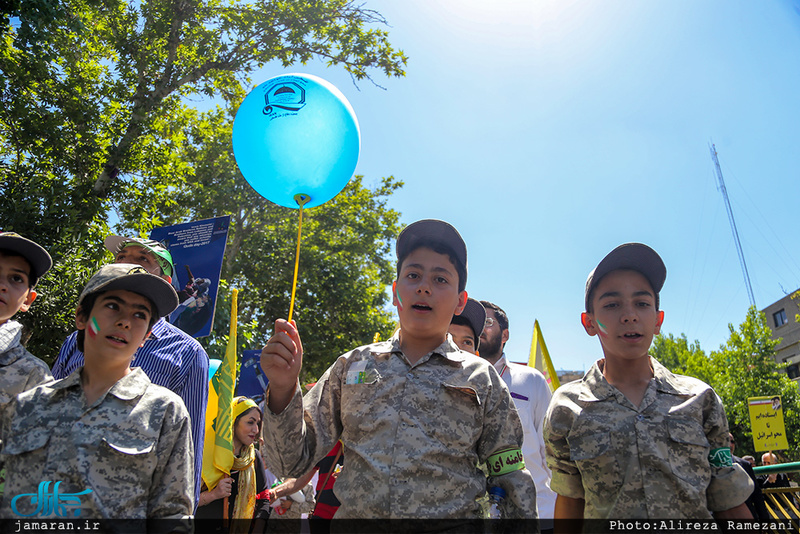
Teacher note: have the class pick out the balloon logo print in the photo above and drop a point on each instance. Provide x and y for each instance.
(289, 96)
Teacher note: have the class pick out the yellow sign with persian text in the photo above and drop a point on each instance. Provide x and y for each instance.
(766, 420)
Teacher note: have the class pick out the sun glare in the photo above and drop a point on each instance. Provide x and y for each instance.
(556, 30)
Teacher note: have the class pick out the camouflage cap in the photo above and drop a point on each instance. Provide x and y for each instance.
(115, 243)
(34, 253)
(436, 231)
(134, 278)
(635, 257)
(475, 315)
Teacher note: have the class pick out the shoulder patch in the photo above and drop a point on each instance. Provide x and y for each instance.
(505, 462)
(720, 457)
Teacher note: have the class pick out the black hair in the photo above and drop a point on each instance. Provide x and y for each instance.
(439, 248)
(461, 320)
(85, 309)
(502, 318)
(32, 278)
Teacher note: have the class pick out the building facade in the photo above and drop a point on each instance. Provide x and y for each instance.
(782, 319)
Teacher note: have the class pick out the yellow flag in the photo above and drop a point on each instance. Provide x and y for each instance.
(218, 444)
(540, 358)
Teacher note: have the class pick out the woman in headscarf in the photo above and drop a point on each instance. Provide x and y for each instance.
(233, 498)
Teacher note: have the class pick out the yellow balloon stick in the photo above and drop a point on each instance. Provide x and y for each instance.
(301, 201)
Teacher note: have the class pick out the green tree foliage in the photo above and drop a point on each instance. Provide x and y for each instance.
(95, 106)
(677, 355)
(743, 367)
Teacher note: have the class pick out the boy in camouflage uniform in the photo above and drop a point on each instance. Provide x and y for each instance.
(632, 440)
(105, 442)
(22, 264)
(415, 414)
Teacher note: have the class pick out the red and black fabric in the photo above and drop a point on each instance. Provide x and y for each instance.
(327, 503)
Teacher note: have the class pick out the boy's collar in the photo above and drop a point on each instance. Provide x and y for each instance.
(448, 349)
(10, 335)
(390, 345)
(10, 329)
(600, 389)
(595, 386)
(666, 381)
(128, 387)
(131, 385)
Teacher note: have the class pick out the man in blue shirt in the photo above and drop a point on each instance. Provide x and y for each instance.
(169, 357)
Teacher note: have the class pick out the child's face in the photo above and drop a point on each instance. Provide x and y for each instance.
(15, 291)
(117, 325)
(426, 294)
(463, 336)
(140, 256)
(624, 315)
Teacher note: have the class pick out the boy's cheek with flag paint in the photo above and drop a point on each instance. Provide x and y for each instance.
(602, 328)
(94, 328)
(397, 296)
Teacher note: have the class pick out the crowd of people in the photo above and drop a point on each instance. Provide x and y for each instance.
(429, 420)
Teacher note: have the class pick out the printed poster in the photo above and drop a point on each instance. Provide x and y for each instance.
(197, 249)
(766, 420)
(252, 380)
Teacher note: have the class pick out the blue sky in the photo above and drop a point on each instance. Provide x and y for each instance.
(549, 132)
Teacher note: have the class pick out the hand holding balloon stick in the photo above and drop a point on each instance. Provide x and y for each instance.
(296, 141)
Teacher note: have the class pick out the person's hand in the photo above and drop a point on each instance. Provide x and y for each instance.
(286, 504)
(223, 488)
(281, 360)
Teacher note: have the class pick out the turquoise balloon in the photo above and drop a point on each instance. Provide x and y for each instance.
(296, 134)
(213, 365)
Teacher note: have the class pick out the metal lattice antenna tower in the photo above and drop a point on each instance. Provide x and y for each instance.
(733, 225)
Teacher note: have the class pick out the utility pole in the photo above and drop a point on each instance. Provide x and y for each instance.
(733, 225)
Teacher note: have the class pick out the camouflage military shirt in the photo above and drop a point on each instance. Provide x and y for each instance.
(668, 458)
(132, 448)
(413, 435)
(19, 369)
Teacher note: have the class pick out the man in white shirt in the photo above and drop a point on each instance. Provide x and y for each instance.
(531, 395)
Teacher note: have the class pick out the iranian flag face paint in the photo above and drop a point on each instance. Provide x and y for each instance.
(397, 296)
(602, 328)
(94, 328)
